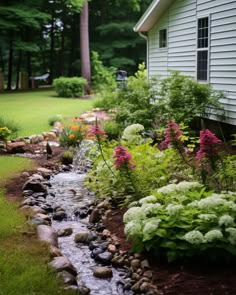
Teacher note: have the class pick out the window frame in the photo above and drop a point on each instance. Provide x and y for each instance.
(159, 41)
(207, 49)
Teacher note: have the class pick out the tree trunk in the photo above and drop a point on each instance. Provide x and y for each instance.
(62, 59)
(52, 53)
(2, 66)
(10, 65)
(84, 46)
(18, 68)
(29, 69)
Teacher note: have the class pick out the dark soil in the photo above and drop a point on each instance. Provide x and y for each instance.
(171, 279)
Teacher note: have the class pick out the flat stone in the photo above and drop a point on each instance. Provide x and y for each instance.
(102, 272)
(15, 147)
(63, 263)
(104, 258)
(54, 251)
(68, 278)
(47, 234)
(65, 232)
(35, 186)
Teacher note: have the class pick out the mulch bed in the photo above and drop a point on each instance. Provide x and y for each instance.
(171, 279)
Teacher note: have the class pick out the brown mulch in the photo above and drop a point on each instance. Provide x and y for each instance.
(194, 278)
(171, 279)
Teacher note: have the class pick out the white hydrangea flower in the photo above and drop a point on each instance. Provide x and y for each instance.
(214, 234)
(150, 227)
(232, 235)
(133, 228)
(148, 199)
(226, 220)
(211, 202)
(185, 186)
(131, 133)
(151, 208)
(207, 217)
(168, 189)
(173, 209)
(134, 213)
(194, 237)
(193, 204)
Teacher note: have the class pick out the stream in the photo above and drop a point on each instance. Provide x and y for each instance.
(67, 191)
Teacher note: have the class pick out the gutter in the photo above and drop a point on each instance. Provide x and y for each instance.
(147, 51)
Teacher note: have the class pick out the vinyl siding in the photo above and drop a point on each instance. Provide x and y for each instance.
(181, 21)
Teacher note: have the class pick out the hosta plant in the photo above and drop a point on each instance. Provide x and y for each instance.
(183, 220)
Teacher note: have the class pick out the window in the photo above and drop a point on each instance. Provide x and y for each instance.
(202, 49)
(163, 38)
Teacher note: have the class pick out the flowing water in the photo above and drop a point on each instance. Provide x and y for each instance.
(68, 192)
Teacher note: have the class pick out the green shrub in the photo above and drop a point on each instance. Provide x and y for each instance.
(70, 87)
(67, 157)
(183, 220)
(8, 129)
(112, 129)
(53, 119)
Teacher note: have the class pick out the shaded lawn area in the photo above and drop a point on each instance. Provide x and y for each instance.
(23, 259)
(31, 110)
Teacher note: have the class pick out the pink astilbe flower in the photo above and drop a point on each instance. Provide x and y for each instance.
(173, 136)
(122, 158)
(97, 131)
(209, 145)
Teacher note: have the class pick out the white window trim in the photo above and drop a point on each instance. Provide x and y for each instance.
(203, 49)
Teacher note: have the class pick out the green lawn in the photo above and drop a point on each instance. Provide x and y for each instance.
(31, 110)
(23, 260)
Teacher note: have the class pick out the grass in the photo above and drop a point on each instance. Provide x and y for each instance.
(23, 260)
(31, 110)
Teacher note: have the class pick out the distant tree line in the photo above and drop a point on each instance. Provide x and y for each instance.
(38, 36)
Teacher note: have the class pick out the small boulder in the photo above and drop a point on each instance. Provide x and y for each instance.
(54, 251)
(104, 258)
(59, 215)
(63, 263)
(35, 186)
(47, 234)
(68, 278)
(83, 237)
(65, 232)
(15, 147)
(102, 272)
(95, 216)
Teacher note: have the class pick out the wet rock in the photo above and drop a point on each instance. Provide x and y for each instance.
(135, 263)
(29, 201)
(37, 209)
(54, 251)
(104, 258)
(112, 248)
(73, 288)
(35, 186)
(104, 204)
(63, 263)
(147, 287)
(135, 276)
(82, 212)
(15, 147)
(36, 177)
(96, 244)
(95, 216)
(39, 195)
(118, 261)
(145, 264)
(83, 237)
(106, 233)
(102, 272)
(148, 274)
(68, 278)
(47, 234)
(59, 215)
(97, 251)
(44, 170)
(65, 232)
(27, 193)
(40, 218)
(83, 290)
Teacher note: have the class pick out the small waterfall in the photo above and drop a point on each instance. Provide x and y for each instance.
(81, 161)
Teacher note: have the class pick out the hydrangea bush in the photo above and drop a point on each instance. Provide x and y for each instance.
(183, 219)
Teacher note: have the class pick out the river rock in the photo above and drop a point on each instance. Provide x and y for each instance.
(135, 263)
(97, 244)
(50, 135)
(148, 274)
(106, 233)
(44, 170)
(145, 264)
(47, 234)
(54, 251)
(59, 215)
(40, 218)
(118, 261)
(68, 278)
(83, 290)
(63, 263)
(111, 248)
(147, 287)
(15, 147)
(95, 216)
(96, 251)
(104, 258)
(83, 237)
(104, 204)
(36, 176)
(35, 186)
(102, 272)
(37, 209)
(65, 232)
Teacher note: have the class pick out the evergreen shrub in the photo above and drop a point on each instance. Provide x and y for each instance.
(70, 87)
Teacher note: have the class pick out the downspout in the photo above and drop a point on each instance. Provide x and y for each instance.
(147, 53)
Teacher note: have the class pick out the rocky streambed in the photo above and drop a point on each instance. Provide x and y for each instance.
(84, 253)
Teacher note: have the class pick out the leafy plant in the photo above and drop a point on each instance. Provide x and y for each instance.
(55, 118)
(70, 87)
(183, 220)
(8, 129)
(67, 157)
(112, 129)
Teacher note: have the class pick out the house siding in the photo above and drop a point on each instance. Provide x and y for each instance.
(181, 21)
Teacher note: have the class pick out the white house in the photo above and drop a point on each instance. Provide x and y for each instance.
(196, 37)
